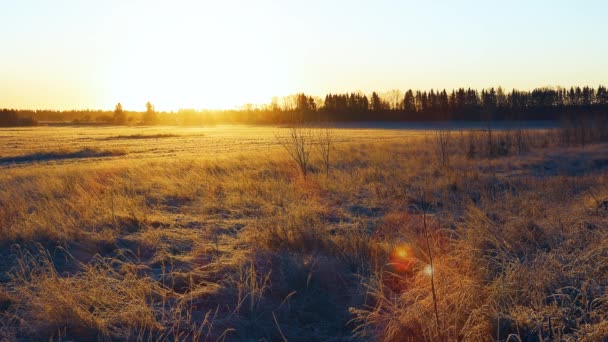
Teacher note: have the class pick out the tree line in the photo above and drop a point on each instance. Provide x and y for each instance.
(466, 104)
(10, 118)
(411, 105)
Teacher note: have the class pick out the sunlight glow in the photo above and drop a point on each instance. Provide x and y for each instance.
(68, 54)
(196, 59)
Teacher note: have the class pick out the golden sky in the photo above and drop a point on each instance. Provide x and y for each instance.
(68, 54)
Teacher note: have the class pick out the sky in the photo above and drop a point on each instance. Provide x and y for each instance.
(77, 54)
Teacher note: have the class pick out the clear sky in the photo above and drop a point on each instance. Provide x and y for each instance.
(65, 54)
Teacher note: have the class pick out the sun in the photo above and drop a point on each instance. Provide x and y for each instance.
(172, 83)
(196, 62)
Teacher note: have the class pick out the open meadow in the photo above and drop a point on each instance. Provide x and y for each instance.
(218, 233)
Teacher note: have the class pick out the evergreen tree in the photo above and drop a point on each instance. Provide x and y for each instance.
(409, 103)
(150, 117)
(376, 103)
(120, 118)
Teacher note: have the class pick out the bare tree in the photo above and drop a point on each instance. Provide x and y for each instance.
(520, 139)
(325, 138)
(394, 98)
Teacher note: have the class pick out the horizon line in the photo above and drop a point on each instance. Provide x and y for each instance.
(282, 97)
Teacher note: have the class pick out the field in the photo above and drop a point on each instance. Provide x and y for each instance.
(169, 233)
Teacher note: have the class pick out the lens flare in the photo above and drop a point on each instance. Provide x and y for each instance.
(402, 258)
(428, 270)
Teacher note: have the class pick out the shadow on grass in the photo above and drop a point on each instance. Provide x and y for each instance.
(584, 163)
(141, 136)
(58, 155)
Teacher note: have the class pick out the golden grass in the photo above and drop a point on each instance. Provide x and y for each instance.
(190, 237)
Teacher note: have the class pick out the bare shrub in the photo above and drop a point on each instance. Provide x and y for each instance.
(325, 140)
(490, 140)
(298, 141)
(583, 129)
(443, 141)
(521, 140)
(472, 149)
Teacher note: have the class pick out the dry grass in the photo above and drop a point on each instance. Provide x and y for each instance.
(234, 246)
(60, 155)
